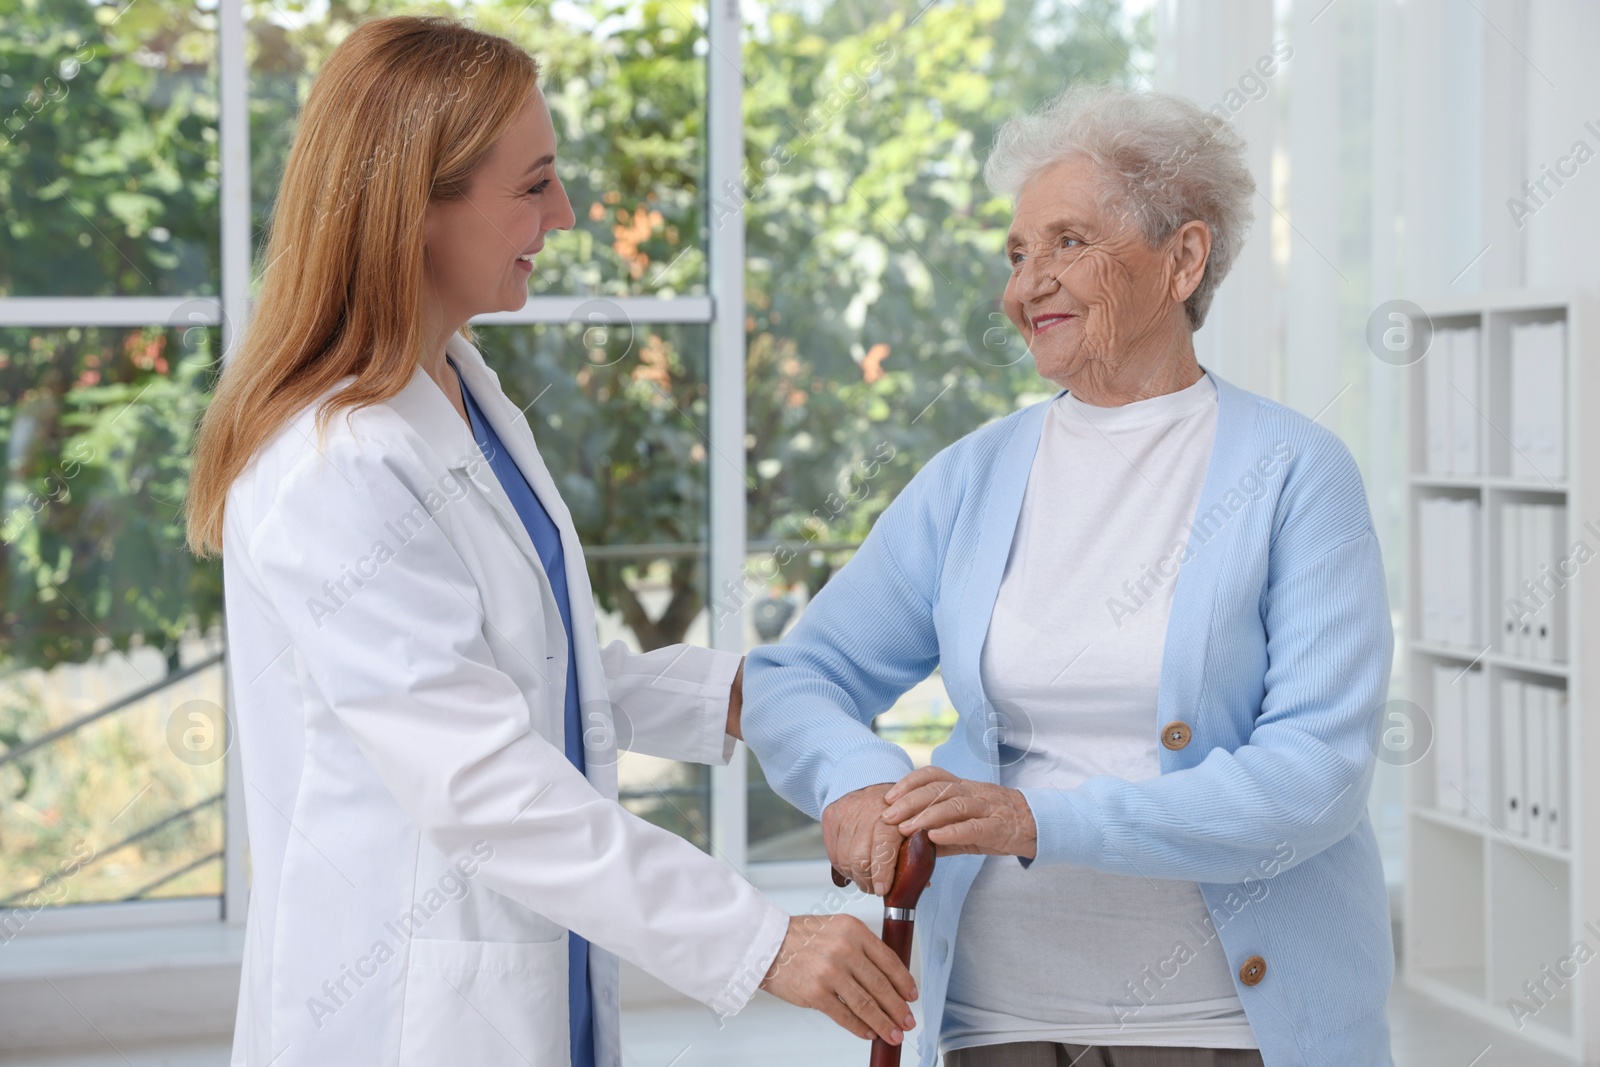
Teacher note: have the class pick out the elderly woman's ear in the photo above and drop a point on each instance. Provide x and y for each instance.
(1191, 245)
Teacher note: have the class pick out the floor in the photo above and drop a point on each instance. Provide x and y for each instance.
(1425, 1034)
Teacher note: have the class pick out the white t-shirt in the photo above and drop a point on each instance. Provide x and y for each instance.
(1071, 665)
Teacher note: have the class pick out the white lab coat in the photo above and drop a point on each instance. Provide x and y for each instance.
(419, 842)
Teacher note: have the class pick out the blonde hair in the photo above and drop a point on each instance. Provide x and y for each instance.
(403, 111)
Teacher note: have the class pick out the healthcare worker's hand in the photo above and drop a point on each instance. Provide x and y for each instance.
(860, 845)
(736, 702)
(835, 964)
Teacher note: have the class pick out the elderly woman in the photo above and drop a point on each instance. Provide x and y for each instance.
(1158, 605)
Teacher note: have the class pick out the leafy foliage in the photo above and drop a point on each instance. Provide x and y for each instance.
(109, 166)
(96, 426)
(873, 263)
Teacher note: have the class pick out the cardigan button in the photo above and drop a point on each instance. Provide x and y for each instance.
(1175, 735)
(1253, 970)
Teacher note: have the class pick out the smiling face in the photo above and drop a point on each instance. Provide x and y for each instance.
(1101, 310)
(472, 244)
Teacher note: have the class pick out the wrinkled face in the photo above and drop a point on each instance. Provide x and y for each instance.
(515, 199)
(1084, 286)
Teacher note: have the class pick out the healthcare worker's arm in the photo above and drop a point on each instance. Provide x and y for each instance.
(404, 665)
(672, 702)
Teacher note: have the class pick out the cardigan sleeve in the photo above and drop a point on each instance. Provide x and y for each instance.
(865, 638)
(1300, 782)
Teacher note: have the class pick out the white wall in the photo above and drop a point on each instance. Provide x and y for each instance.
(1563, 95)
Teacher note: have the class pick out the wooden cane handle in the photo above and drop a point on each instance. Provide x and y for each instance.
(912, 872)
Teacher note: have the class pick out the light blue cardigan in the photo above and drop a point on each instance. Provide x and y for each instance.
(1277, 656)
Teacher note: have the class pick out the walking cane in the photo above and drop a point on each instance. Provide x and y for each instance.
(911, 875)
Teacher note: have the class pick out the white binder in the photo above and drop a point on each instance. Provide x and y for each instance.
(1557, 795)
(1448, 578)
(1463, 349)
(1459, 564)
(1475, 744)
(1539, 595)
(1430, 591)
(1527, 568)
(1533, 752)
(1513, 803)
(1556, 613)
(1550, 428)
(1436, 425)
(1525, 401)
(1470, 577)
(1449, 784)
(1510, 562)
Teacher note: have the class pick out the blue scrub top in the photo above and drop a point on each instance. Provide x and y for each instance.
(547, 540)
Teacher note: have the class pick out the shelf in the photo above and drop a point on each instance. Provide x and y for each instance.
(1533, 848)
(1454, 988)
(1522, 485)
(1492, 919)
(1477, 483)
(1489, 832)
(1446, 481)
(1516, 663)
(1465, 655)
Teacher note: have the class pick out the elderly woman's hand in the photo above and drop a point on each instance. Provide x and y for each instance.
(962, 815)
(861, 846)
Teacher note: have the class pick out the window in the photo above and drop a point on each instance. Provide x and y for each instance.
(111, 688)
(834, 253)
(112, 704)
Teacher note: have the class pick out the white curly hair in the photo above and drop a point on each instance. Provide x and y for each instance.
(1165, 160)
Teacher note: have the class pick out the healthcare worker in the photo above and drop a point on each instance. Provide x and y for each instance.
(440, 871)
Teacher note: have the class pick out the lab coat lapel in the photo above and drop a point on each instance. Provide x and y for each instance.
(423, 404)
(425, 407)
(512, 427)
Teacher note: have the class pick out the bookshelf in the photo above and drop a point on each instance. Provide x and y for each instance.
(1494, 919)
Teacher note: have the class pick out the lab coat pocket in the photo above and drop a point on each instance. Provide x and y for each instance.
(487, 1003)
